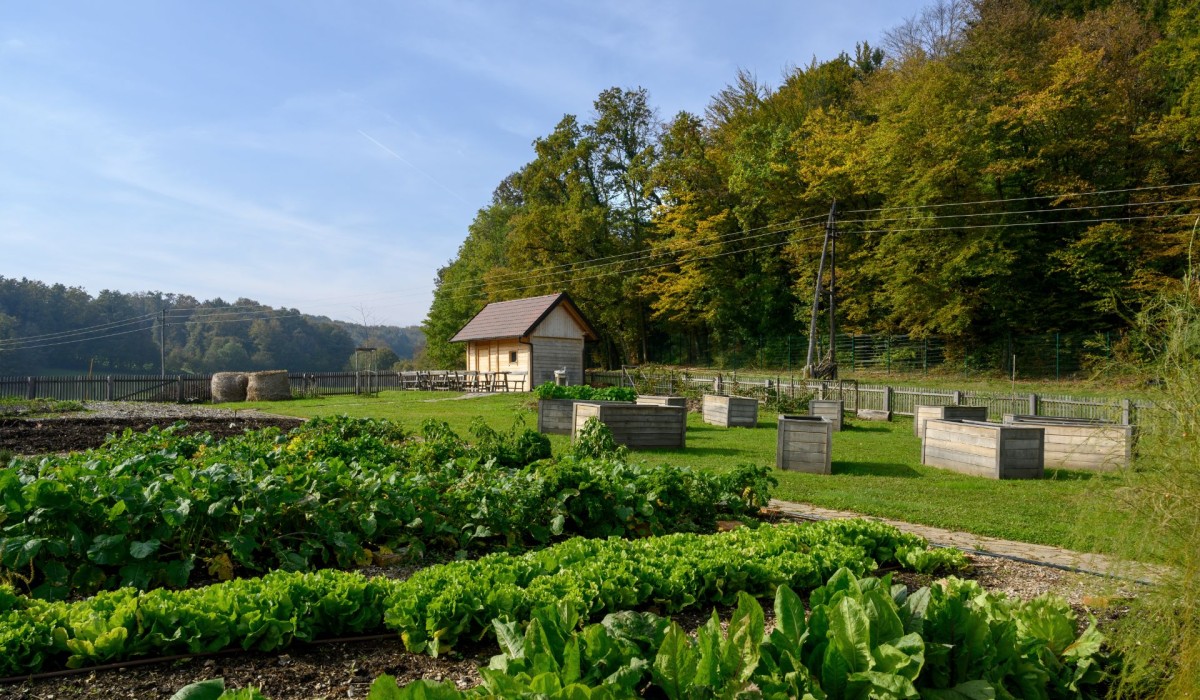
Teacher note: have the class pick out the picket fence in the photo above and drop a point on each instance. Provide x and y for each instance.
(900, 400)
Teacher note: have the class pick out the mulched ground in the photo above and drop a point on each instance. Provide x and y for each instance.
(345, 669)
(27, 436)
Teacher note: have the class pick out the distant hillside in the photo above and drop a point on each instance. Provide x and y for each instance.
(52, 328)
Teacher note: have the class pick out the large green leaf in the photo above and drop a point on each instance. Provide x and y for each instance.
(789, 617)
(675, 664)
(850, 634)
(210, 689)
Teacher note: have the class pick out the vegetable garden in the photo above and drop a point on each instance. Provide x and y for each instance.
(163, 543)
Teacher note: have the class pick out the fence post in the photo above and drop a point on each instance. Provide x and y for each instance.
(1033, 404)
(31, 389)
(925, 355)
(851, 352)
(108, 388)
(887, 399)
(1126, 412)
(888, 346)
(957, 398)
(789, 360)
(1056, 367)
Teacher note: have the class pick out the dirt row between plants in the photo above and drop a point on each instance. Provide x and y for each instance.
(29, 436)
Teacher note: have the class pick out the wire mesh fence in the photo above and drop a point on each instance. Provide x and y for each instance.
(1055, 355)
(898, 400)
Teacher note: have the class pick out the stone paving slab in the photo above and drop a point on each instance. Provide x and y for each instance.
(1096, 564)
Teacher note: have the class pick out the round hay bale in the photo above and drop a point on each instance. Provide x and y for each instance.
(272, 385)
(229, 386)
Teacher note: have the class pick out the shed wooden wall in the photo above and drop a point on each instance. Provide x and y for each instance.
(492, 356)
(557, 343)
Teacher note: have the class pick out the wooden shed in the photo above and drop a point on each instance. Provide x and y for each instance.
(536, 335)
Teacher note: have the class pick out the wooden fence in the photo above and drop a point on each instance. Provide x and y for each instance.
(900, 400)
(183, 388)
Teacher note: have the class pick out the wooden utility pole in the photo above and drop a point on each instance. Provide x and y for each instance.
(162, 343)
(811, 369)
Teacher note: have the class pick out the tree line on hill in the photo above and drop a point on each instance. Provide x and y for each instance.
(956, 153)
(52, 328)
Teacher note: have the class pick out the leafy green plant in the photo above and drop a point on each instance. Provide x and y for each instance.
(550, 390)
(864, 638)
(595, 441)
(149, 509)
(434, 608)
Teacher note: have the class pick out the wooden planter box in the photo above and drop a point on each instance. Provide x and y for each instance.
(984, 449)
(678, 401)
(926, 413)
(636, 426)
(828, 409)
(1081, 444)
(557, 416)
(805, 444)
(730, 411)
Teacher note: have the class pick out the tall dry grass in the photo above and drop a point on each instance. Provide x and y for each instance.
(1160, 637)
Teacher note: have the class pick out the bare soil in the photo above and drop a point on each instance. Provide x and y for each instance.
(345, 669)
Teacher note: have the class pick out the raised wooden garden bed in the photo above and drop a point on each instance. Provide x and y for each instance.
(925, 413)
(636, 426)
(730, 411)
(680, 401)
(829, 409)
(990, 450)
(1081, 444)
(557, 416)
(805, 444)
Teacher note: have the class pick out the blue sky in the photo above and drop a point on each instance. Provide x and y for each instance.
(329, 156)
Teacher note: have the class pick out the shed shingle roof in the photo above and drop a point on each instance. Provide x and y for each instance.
(518, 318)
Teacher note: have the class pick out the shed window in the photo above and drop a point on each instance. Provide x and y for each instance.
(512, 357)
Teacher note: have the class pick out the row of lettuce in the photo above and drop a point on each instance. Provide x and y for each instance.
(440, 605)
(164, 508)
(864, 638)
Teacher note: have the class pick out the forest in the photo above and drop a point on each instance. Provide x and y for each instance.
(999, 167)
(52, 328)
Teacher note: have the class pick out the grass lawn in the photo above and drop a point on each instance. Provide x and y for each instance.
(876, 467)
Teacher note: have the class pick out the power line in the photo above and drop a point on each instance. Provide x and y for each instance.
(78, 331)
(644, 254)
(673, 262)
(1028, 223)
(1089, 207)
(1095, 193)
(212, 316)
(82, 340)
(637, 254)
